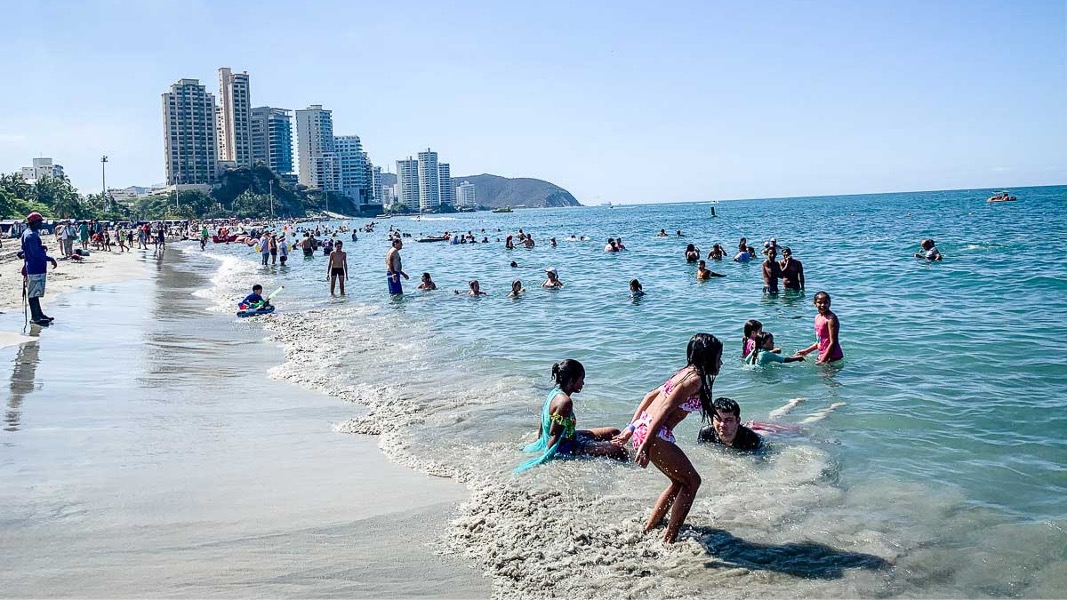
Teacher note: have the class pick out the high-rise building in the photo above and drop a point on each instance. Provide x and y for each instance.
(376, 185)
(465, 197)
(235, 108)
(429, 182)
(320, 167)
(190, 147)
(42, 167)
(407, 182)
(353, 172)
(272, 138)
(448, 193)
(370, 196)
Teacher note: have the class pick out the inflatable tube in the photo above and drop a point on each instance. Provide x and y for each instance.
(266, 310)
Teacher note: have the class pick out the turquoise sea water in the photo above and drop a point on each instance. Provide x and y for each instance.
(953, 379)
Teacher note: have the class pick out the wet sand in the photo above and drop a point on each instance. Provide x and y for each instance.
(96, 269)
(145, 453)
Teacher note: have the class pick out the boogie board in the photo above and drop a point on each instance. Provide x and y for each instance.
(265, 310)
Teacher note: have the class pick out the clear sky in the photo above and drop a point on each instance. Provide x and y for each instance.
(614, 100)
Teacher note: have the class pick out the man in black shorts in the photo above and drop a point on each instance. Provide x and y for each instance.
(337, 268)
(726, 428)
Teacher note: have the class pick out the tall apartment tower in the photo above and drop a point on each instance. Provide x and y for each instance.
(375, 184)
(190, 147)
(429, 182)
(320, 167)
(235, 108)
(407, 182)
(465, 197)
(272, 138)
(370, 194)
(448, 192)
(353, 172)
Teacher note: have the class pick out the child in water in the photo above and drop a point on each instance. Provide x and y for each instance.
(557, 435)
(516, 289)
(763, 354)
(254, 300)
(427, 284)
(827, 328)
(636, 291)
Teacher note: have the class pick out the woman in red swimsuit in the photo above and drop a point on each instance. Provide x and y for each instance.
(651, 431)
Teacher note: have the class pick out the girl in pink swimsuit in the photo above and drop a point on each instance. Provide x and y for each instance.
(652, 436)
(827, 328)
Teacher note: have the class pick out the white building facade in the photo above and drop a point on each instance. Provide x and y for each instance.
(429, 181)
(465, 197)
(353, 167)
(448, 192)
(235, 111)
(407, 182)
(41, 168)
(190, 145)
(319, 165)
(272, 138)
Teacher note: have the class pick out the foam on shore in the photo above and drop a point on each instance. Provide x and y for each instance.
(776, 525)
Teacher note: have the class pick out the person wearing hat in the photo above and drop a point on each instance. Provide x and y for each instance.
(36, 268)
(553, 279)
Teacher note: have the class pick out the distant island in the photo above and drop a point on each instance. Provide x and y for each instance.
(494, 191)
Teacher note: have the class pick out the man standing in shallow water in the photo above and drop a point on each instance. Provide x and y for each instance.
(394, 268)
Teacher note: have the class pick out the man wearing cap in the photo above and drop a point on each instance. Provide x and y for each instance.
(36, 268)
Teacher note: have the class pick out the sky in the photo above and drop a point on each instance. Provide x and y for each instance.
(613, 100)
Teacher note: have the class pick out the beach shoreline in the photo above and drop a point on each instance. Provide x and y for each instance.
(96, 269)
(158, 485)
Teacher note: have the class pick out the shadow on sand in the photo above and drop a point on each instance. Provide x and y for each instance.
(809, 560)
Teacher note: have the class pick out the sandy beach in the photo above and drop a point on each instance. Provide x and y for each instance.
(95, 269)
(147, 453)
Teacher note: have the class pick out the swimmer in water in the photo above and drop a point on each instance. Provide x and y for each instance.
(703, 273)
(827, 328)
(553, 281)
(618, 243)
(662, 233)
(475, 289)
(611, 247)
(717, 253)
(692, 253)
(427, 284)
(636, 291)
(763, 354)
(929, 250)
(516, 289)
(726, 428)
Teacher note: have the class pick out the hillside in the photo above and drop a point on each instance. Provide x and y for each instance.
(494, 191)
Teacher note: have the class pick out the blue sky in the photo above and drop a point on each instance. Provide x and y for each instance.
(615, 101)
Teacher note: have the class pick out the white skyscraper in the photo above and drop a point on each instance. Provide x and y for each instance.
(448, 193)
(320, 167)
(350, 151)
(235, 108)
(465, 195)
(429, 181)
(190, 148)
(407, 182)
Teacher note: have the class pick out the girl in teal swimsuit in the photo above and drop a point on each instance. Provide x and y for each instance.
(557, 435)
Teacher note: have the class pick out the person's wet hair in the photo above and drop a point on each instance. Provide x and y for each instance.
(704, 353)
(567, 371)
(727, 405)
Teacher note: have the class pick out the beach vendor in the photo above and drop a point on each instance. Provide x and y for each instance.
(557, 435)
(36, 268)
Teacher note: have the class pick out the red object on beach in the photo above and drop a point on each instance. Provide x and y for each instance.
(223, 240)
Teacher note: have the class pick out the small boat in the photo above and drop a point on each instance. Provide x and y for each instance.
(1003, 196)
(384, 217)
(502, 209)
(223, 239)
(433, 238)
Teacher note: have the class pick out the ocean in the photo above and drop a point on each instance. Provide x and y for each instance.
(943, 473)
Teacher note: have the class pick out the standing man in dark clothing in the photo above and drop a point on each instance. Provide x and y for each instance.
(792, 271)
(36, 268)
